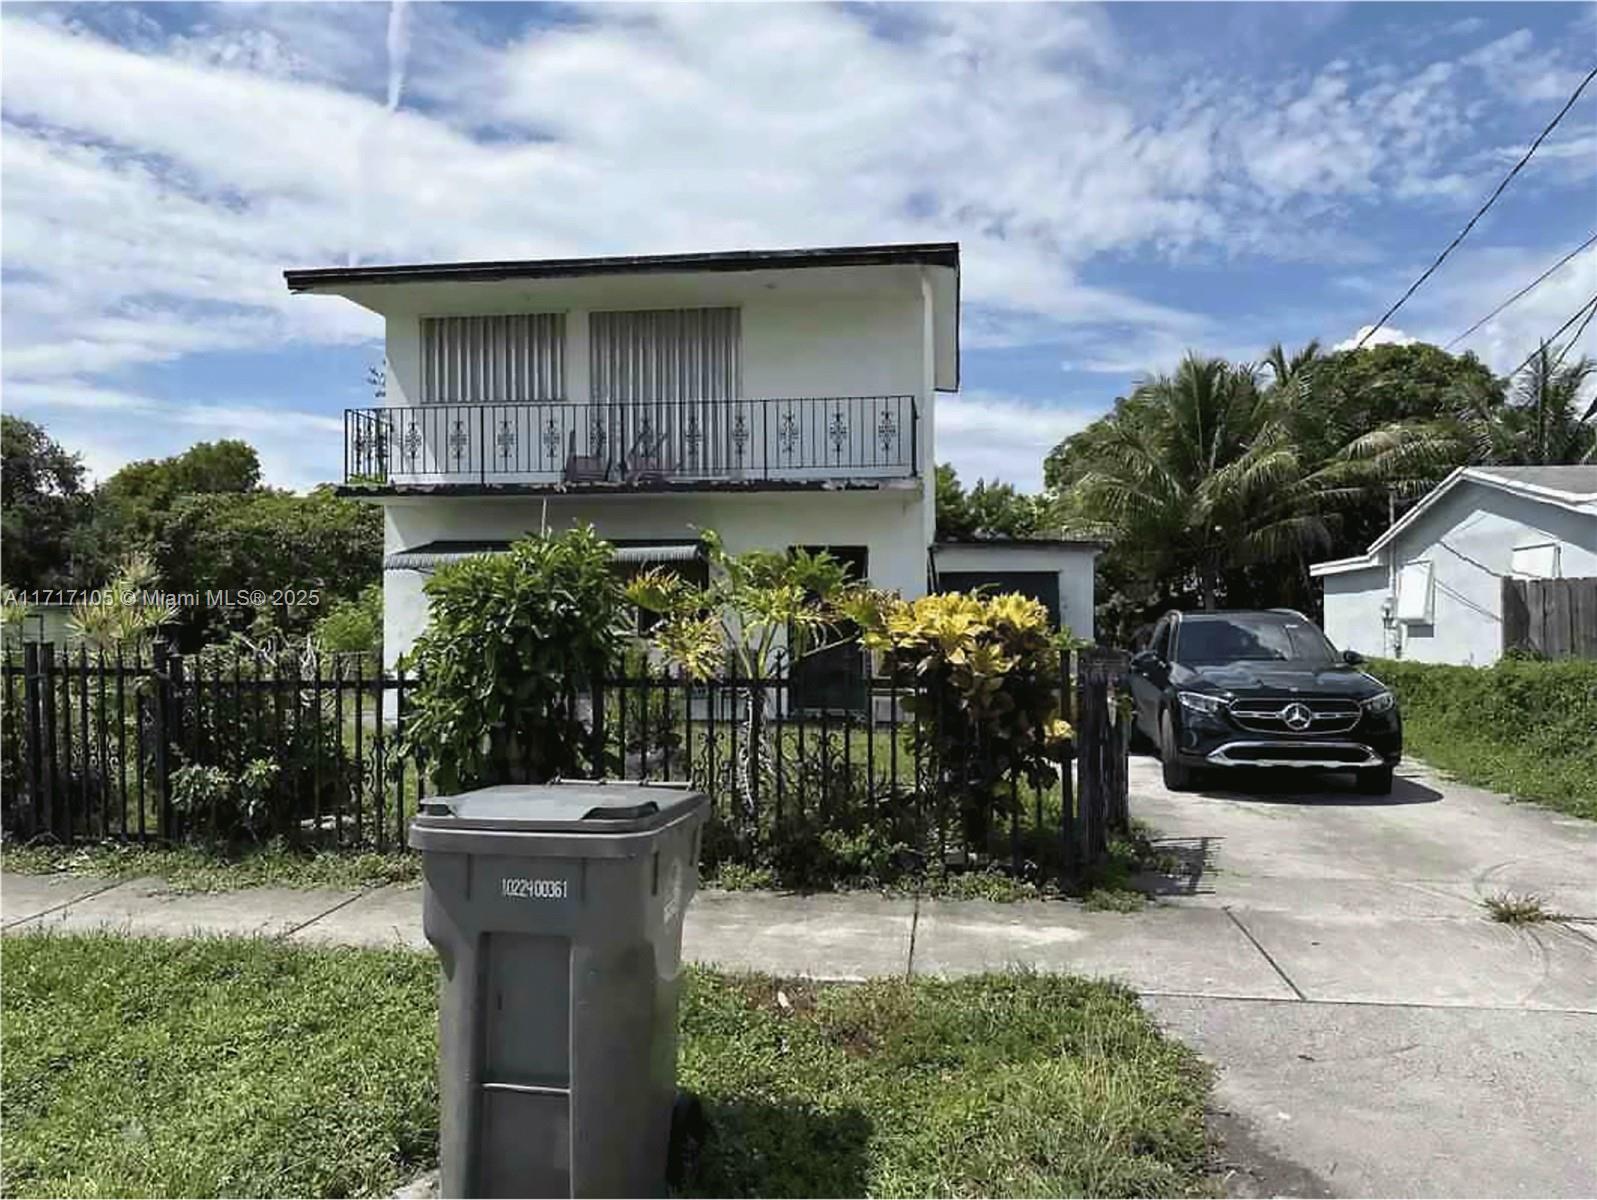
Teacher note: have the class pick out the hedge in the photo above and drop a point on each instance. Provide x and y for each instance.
(1523, 727)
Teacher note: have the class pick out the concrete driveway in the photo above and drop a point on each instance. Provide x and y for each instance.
(1426, 1050)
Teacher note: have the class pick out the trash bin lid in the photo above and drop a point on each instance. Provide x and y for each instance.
(577, 806)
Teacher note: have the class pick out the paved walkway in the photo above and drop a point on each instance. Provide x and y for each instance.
(1325, 949)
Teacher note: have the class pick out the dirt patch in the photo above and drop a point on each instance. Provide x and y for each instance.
(789, 997)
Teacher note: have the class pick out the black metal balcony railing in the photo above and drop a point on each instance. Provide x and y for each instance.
(637, 442)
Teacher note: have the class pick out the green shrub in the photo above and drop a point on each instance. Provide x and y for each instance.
(353, 626)
(1525, 727)
(512, 647)
(987, 670)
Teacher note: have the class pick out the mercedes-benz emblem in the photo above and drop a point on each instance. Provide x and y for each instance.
(1297, 717)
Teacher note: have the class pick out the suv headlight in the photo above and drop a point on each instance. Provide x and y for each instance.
(1197, 702)
(1379, 703)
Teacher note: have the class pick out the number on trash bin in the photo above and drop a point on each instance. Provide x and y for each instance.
(536, 889)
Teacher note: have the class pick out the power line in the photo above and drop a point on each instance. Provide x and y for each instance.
(1534, 283)
(1575, 337)
(1576, 316)
(1481, 212)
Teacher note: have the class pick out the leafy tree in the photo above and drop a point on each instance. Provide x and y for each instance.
(353, 626)
(271, 542)
(988, 510)
(1307, 454)
(761, 611)
(132, 508)
(42, 500)
(1196, 475)
(514, 641)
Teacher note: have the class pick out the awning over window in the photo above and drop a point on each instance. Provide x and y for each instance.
(431, 555)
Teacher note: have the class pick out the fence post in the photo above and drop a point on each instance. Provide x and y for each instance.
(163, 668)
(597, 730)
(33, 734)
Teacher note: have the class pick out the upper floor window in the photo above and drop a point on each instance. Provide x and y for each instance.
(493, 360)
(664, 355)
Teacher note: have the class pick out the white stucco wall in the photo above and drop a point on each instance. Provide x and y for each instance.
(888, 523)
(804, 333)
(1353, 611)
(1469, 537)
(802, 336)
(1072, 564)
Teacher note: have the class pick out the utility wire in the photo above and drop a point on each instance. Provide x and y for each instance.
(1578, 313)
(1575, 337)
(1481, 212)
(1534, 283)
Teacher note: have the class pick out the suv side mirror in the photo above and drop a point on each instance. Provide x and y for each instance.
(1353, 658)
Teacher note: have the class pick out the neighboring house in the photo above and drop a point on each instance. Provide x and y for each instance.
(48, 622)
(1431, 587)
(782, 398)
(1056, 571)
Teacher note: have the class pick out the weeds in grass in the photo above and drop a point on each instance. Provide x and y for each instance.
(208, 869)
(1511, 908)
(240, 1067)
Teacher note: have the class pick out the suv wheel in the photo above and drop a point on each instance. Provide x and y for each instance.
(1178, 777)
(1376, 781)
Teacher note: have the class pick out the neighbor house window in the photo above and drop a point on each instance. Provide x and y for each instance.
(511, 359)
(1536, 562)
(1414, 593)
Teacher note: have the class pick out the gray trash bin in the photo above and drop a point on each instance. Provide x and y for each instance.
(557, 913)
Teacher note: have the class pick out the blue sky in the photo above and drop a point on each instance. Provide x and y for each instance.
(1127, 182)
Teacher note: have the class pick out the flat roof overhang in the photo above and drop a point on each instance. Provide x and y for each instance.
(504, 285)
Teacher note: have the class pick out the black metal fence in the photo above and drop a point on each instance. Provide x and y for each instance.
(163, 747)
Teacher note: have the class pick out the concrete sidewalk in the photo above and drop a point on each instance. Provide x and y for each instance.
(1443, 952)
(1166, 950)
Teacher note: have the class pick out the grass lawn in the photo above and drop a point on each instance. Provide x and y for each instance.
(233, 1067)
(204, 869)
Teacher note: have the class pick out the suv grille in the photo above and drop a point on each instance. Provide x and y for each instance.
(1270, 716)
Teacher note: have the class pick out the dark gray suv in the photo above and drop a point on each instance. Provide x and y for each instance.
(1261, 689)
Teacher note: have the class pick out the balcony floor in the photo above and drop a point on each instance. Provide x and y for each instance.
(638, 487)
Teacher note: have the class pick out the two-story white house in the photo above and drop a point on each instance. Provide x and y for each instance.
(782, 398)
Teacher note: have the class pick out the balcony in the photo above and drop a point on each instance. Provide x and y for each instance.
(859, 441)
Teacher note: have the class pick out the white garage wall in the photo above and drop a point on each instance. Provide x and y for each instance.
(1353, 611)
(1073, 565)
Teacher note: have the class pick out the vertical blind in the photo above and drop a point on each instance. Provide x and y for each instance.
(665, 355)
(667, 380)
(493, 360)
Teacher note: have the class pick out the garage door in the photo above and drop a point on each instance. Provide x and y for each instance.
(1042, 586)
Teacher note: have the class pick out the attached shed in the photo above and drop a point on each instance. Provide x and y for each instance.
(1058, 572)
(1431, 588)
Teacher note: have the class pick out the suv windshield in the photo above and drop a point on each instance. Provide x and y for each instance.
(1262, 638)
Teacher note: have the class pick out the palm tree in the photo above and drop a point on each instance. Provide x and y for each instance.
(1197, 474)
(1542, 421)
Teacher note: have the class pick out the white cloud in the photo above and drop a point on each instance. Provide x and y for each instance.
(1369, 335)
(156, 183)
(990, 436)
(297, 449)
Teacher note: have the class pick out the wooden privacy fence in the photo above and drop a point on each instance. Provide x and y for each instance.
(163, 747)
(1553, 618)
